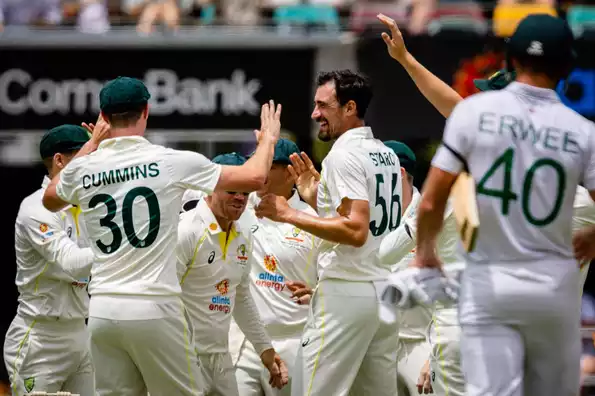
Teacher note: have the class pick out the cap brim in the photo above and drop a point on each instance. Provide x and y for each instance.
(482, 85)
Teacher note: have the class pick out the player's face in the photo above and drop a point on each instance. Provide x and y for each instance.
(327, 112)
(278, 181)
(228, 204)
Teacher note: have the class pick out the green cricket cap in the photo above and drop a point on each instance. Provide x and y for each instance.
(123, 94)
(406, 155)
(62, 139)
(497, 81)
(542, 36)
(283, 149)
(230, 159)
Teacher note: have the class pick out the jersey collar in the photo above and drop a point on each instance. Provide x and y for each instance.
(206, 214)
(535, 92)
(353, 134)
(46, 182)
(122, 142)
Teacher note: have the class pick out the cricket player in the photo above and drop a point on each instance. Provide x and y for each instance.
(528, 152)
(445, 99)
(47, 345)
(282, 253)
(130, 192)
(214, 258)
(440, 323)
(345, 347)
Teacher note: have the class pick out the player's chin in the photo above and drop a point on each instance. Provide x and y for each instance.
(235, 212)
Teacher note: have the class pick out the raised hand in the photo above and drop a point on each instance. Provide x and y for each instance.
(305, 177)
(394, 43)
(270, 122)
(101, 130)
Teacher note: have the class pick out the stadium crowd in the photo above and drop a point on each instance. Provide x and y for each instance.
(415, 16)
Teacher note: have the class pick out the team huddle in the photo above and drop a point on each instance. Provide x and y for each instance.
(147, 270)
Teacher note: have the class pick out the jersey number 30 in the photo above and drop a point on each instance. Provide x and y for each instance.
(387, 206)
(127, 219)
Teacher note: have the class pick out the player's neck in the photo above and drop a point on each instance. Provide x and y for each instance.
(536, 80)
(130, 131)
(407, 196)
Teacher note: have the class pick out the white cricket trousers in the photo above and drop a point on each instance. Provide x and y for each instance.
(444, 336)
(218, 374)
(135, 356)
(49, 356)
(346, 349)
(412, 355)
(253, 377)
(520, 327)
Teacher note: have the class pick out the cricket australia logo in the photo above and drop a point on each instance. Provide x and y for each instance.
(535, 48)
(241, 254)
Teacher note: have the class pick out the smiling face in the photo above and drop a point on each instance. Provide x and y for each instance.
(228, 205)
(328, 112)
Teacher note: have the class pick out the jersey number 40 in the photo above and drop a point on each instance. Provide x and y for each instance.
(127, 219)
(388, 219)
(506, 195)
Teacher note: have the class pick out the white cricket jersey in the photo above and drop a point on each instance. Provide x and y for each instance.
(399, 246)
(583, 216)
(214, 271)
(52, 270)
(359, 167)
(527, 153)
(130, 193)
(282, 253)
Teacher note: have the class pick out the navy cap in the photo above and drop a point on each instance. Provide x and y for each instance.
(283, 149)
(542, 36)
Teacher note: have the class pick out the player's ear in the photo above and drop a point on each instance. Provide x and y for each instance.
(59, 161)
(350, 108)
(146, 111)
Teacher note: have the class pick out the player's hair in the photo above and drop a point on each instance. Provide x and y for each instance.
(48, 161)
(126, 119)
(349, 85)
(555, 70)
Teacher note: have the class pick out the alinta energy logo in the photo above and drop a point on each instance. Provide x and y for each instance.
(221, 303)
(270, 279)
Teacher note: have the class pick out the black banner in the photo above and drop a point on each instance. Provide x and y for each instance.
(193, 90)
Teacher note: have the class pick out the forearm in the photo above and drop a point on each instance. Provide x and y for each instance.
(335, 229)
(258, 165)
(51, 201)
(430, 218)
(248, 319)
(73, 260)
(436, 91)
(396, 245)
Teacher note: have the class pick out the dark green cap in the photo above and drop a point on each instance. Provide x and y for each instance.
(62, 139)
(123, 94)
(229, 159)
(405, 154)
(542, 36)
(283, 149)
(497, 81)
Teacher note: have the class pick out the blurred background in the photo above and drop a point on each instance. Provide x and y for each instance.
(209, 64)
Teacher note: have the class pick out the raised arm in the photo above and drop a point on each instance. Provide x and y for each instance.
(436, 91)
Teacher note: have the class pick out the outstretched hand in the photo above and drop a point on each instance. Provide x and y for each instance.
(305, 176)
(394, 43)
(270, 122)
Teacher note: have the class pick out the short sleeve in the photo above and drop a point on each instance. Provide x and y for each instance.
(345, 177)
(192, 170)
(185, 244)
(67, 187)
(457, 140)
(589, 171)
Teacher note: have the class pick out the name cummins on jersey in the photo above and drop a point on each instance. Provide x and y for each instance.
(130, 193)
